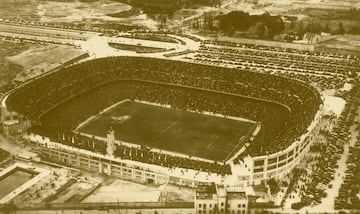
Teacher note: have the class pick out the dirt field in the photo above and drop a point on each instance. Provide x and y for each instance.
(114, 190)
(9, 69)
(173, 193)
(72, 11)
(295, 7)
(38, 59)
(92, 12)
(344, 44)
(57, 11)
(78, 190)
(20, 9)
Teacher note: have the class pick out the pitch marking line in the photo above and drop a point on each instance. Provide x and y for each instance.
(214, 141)
(167, 128)
(232, 140)
(236, 147)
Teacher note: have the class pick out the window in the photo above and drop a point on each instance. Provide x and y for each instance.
(244, 205)
(258, 170)
(222, 203)
(239, 205)
(199, 205)
(210, 205)
(259, 163)
(204, 206)
(199, 211)
(222, 210)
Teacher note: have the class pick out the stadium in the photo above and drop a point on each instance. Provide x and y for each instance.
(212, 124)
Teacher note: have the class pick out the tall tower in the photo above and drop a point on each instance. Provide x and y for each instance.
(110, 137)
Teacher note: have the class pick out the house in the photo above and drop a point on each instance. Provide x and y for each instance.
(210, 199)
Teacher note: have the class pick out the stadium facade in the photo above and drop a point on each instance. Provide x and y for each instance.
(251, 169)
(279, 164)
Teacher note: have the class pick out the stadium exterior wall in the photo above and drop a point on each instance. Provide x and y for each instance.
(125, 169)
(279, 164)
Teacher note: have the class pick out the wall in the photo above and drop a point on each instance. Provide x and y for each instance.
(279, 164)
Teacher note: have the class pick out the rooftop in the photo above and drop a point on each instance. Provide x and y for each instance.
(11, 122)
(236, 195)
(205, 191)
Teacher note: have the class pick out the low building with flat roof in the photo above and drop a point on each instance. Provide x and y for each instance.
(211, 198)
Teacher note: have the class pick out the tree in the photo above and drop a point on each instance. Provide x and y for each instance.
(340, 29)
(300, 29)
(257, 31)
(327, 28)
(274, 186)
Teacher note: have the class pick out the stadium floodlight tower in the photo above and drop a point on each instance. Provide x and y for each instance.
(110, 137)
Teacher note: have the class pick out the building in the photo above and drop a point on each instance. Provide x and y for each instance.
(207, 199)
(311, 38)
(213, 198)
(256, 169)
(13, 123)
(237, 202)
(114, 166)
(15, 126)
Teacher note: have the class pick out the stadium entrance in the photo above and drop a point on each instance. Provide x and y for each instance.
(150, 181)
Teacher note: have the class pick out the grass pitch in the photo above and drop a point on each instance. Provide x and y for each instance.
(188, 133)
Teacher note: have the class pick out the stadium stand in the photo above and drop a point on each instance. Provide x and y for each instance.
(182, 85)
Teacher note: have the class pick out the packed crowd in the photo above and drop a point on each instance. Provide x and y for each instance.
(142, 154)
(40, 96)
(93, 101)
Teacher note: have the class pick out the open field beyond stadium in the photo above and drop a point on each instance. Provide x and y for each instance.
(193, 134)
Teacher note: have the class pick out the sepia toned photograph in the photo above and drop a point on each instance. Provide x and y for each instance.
(179, 106)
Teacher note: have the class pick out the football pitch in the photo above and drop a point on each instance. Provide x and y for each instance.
(194, 134)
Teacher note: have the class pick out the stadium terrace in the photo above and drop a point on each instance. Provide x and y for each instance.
(285, 111)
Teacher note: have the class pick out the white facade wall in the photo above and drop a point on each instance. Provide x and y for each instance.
(279, 164)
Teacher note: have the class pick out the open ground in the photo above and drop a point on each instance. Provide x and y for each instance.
(39, 59)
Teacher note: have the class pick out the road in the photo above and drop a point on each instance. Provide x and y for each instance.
(14, 148)
(328, 202)
(110, 211)
(92, 42)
